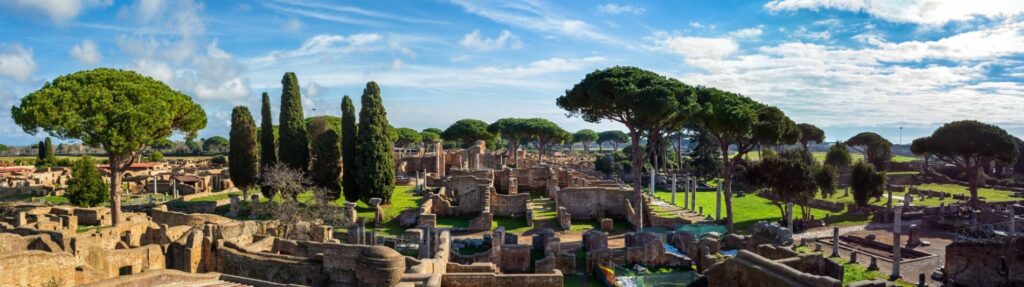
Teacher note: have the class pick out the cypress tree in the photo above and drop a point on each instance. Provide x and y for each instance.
(348, 149)
(294, 141)
(268, 143)
(41, 157)
(86, 187)
(375, 163)
(51, 157)
(326, 170)
(243, 154)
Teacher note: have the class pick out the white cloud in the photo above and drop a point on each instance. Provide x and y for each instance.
(292, 25)
(86, 53)
(612, 8)
(804, 33)
(324, 45)
(924, 12)
(183, 59)
(159, 70)
(693, 48)
(59, 11)
(747, 34)
(546, 66)
(506, 40)
(341, 13)
(397, 64)
(881, 83)
(16, 62)
(829, 22)
(534, 16)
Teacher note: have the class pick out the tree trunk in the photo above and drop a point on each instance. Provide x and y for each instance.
(727, 180)
(586, 149)
(637, 175)
(115, 192)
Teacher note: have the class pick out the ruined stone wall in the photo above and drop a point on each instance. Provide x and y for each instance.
(35, 268)
(815, 264)
(281, 269)
(11, 243)
(589, 202)
(162, 216)
(751, 270)
(491, 279)
(109, 262)
(509, 205)
(996, 262)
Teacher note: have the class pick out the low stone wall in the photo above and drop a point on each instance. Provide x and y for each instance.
(285, 269)
(995, 262)
(490, 279)
(827, 205)
(160, 215)
(509, 205)
(31, 267)
(590, 202)
(751, 270)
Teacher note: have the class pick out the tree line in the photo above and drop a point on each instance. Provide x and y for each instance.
(653, 106)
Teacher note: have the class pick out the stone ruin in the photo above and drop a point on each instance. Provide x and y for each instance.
(165, 247)
(771, 233)
(647, 249)
(996, 261)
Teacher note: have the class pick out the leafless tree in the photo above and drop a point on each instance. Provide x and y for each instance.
(288, 183)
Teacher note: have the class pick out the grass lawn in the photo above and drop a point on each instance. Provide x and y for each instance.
(752, 208)
(620, 226)
(401, 199)
(853, 272)
(216, 197)
(902, 172)
(820, 156)
(990, 195)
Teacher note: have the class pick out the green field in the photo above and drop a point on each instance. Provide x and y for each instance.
(752, 208)
(990, 195)
(820, 157)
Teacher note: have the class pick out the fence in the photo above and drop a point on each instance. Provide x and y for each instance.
(1008, 229)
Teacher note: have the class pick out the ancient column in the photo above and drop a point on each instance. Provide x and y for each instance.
(789, 215)
(673, 189)
(651, 184)
(889, 203)
(174, 186)
(896, 222)
(835, 241)
(718, 205)
(693, 192)
(686, 192)
(154, 184)
(1012, 231)
(439, 159)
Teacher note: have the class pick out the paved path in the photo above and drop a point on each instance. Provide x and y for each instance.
(827, 232)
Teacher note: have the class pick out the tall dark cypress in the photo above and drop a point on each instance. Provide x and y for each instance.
(268, 143)
(243, 158)
(41, 157)
(294, 141)
(51, 157)
(348, 149)
(326, 170)
(375, 163)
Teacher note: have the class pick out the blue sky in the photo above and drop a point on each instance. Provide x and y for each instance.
(844, 65)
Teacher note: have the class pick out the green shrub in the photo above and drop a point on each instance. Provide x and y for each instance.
(86, 187)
